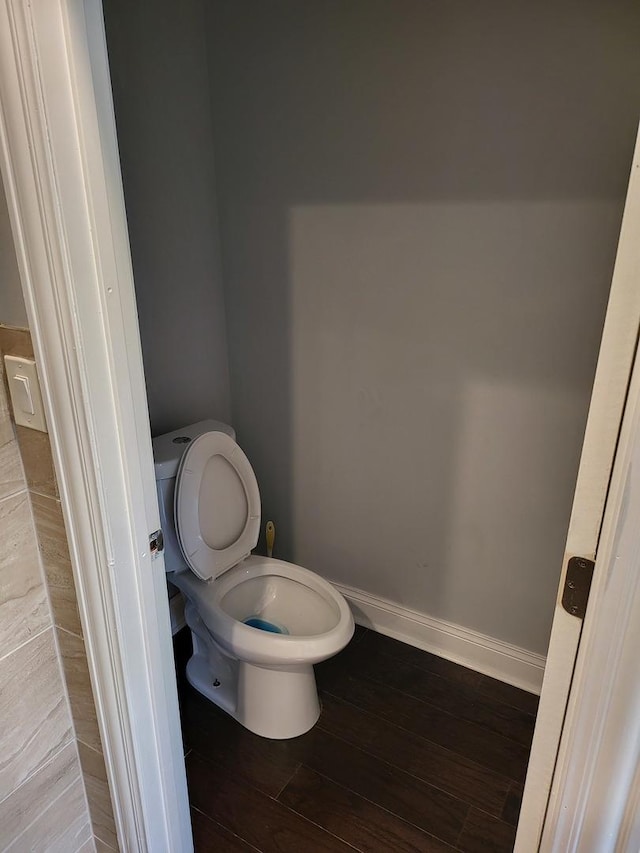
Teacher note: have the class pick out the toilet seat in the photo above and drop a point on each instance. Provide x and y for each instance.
(217, 505)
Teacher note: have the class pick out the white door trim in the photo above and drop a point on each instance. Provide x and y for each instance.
(59, 159)
(594, 796)
(615, 362)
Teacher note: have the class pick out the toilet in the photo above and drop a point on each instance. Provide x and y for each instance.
(258, 624)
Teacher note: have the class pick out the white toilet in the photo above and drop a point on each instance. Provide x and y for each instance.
(258, 624)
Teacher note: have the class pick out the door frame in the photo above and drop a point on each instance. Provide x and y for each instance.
(612, 391)
(59, 160)
(594, 802)
(60, 165)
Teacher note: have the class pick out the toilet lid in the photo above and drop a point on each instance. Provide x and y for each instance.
(217, 505)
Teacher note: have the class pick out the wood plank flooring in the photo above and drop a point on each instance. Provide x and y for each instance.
(411, 753)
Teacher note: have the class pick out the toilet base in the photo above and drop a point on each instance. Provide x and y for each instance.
(276, 703)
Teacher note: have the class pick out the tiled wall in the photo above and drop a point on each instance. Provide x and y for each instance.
(51, 762)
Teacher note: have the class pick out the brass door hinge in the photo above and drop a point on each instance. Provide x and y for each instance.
(577, 584)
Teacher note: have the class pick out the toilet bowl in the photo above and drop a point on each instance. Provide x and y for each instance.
(258, 624)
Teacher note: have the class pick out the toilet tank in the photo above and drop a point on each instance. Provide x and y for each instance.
(167, 452)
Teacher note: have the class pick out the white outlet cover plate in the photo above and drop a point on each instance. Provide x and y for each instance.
(26, 397)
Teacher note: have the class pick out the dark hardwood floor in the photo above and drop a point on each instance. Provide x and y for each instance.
(411, 753)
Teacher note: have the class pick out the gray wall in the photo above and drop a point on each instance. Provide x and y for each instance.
(419, 205)
(12, 310)
(160, 85)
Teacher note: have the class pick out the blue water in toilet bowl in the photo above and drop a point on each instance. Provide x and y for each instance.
(265, 625)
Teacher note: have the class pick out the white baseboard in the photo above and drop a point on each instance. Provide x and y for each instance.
(461, 645)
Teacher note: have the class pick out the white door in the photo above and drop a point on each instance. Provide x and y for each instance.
(612, 379)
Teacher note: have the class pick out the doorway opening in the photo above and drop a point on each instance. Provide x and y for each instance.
(369, 328)
(381, 268)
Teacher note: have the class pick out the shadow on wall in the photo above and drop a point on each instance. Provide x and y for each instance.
(419, 206)
(157, 56)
